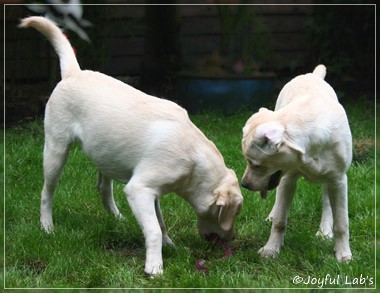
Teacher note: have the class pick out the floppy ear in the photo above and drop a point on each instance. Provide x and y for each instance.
(271, 133)
(296, 147)
(228, 207)
(254, 116)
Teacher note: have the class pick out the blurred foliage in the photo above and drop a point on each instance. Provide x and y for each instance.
(343, 38)
(96, 55)
(244, 37)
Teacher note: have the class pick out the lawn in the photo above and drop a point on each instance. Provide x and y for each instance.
(92, 249)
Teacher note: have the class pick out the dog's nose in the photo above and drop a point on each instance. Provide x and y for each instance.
(246, 185)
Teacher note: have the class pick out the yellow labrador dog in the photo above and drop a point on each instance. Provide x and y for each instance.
(146, 142)
(307, 135)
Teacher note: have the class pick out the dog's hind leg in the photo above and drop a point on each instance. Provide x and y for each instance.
(105, 187)
(165, 238)
(326, 226)
(55, 155)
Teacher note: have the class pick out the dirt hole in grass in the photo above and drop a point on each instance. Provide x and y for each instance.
(363, 149)
(125, 247)
(35, 266)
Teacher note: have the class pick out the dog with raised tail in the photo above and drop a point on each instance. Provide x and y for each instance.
(306, 135)
(148, 143)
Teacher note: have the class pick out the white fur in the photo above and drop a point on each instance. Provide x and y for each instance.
(272, 131)
(148, 143)
(307, 135)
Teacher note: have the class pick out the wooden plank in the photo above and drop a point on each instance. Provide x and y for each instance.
(125, 46)
(123, 66)
(200, 26)
(26, 69)
(289, 41)
(123, 10)
(12, 12)
(280, 41)
(272, 23)
(126, 27)
(289, 8)
(200, 44)
(285, 23)
(197, 10)
(294, 58)
(122, 28)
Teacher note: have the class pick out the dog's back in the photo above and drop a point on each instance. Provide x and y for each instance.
(312, 85)
(310, 103)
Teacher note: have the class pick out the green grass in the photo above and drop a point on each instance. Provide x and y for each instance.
(92, 249)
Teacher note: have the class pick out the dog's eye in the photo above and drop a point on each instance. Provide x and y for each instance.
(254, 166)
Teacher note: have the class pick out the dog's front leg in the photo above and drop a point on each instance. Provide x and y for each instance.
(284, 196)
(278, 200)
(337, 191)
(142, 202)
(273, 212)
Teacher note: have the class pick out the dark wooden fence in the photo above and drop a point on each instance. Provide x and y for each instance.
(342, 37)
(117, 38)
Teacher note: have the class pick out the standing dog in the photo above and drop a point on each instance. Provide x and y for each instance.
(146, 142)
(307, 135)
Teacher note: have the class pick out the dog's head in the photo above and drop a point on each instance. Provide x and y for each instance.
(268, 150)
(219, 216)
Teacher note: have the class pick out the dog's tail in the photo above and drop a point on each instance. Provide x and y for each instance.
(320, 70)
(61, 44)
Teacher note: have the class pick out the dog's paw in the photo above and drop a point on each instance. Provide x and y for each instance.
(47, 226)
(119, 216)
(153, 269)
(343, 256)
(327, 234)
(267, 252)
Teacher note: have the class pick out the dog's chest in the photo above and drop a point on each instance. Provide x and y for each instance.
(319, 168)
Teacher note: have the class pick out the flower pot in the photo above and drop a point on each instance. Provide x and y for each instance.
(227, 93)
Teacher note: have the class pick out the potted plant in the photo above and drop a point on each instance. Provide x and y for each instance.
(238, 74)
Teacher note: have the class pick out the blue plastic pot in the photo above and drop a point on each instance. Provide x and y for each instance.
(227, 94)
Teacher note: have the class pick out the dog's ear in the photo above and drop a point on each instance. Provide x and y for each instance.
(253, 117)
(229, 205)
(296, 147)
(270, 134)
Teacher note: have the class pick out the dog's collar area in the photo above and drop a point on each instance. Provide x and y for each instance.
(274, 180)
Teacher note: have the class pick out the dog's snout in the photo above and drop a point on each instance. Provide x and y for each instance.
(245, 185)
